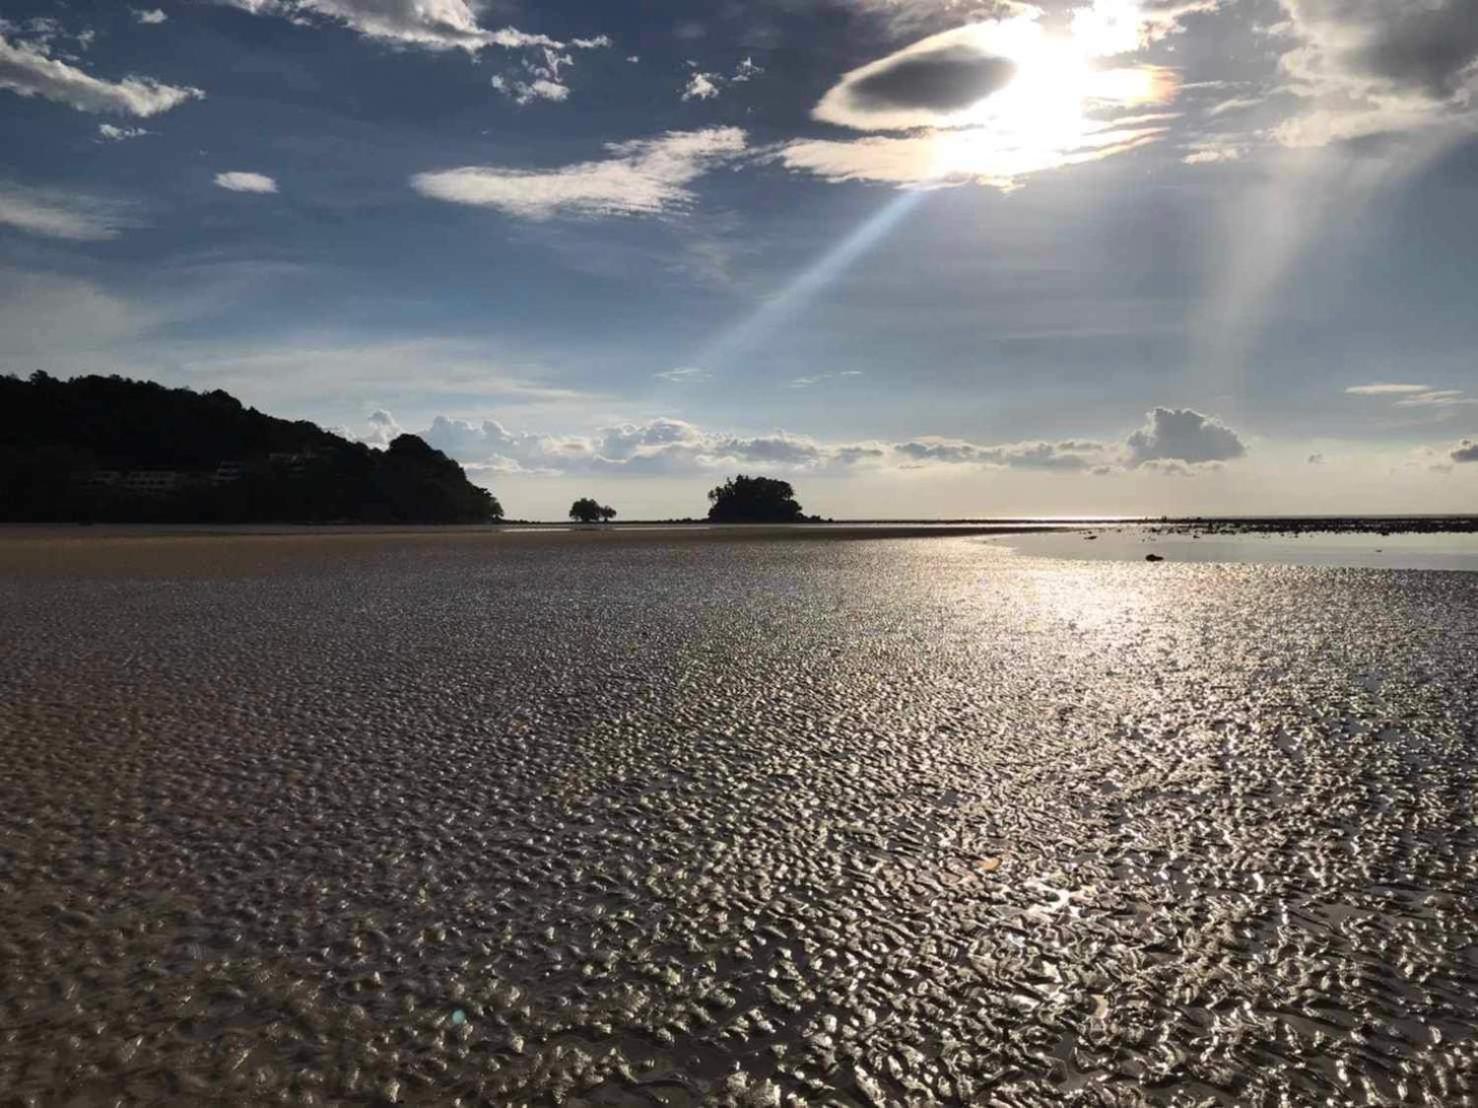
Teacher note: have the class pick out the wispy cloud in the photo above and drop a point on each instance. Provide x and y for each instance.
(817, 378)
(683, 374)
(1437, 398)
(1385, 389)
(431, 24)
(26, 69)
(1415, 396)
(63, 215)
(108, 132)
(149, 16)
(641, 177)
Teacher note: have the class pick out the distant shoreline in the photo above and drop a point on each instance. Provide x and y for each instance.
(847, 528)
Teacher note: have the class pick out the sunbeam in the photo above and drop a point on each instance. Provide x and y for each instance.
(802, 289)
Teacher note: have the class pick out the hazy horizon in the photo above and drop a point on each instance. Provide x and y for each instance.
(921, 258)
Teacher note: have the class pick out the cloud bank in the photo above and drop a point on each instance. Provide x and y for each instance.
(673, 446)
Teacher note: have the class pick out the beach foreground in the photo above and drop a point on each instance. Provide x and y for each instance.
(445, 819)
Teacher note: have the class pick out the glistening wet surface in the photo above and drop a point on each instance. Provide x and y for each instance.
(492, 821)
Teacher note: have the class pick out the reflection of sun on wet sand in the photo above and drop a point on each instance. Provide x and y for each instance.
(203, 551)
(643, 816)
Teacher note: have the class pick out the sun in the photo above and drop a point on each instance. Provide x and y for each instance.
(1062, 104)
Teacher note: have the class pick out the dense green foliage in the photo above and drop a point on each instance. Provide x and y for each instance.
(88, 448)
(589, 510)
(754, 500)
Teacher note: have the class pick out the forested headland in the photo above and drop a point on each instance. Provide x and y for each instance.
(110, 449)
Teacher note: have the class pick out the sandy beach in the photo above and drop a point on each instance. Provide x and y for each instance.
(630, 818)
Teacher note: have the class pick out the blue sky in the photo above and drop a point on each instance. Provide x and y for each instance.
(921, 257)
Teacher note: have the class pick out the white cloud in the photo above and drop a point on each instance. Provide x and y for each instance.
(526, 92)
(706, 86)
(701, 86)
(1180, 435)
(61, 215)
(149, 16)
(640, 177)
(27, 70)
(238, 181)
(1214, 155)
(1382, 389)
(110, 133)
(382, 429)
(428, 24)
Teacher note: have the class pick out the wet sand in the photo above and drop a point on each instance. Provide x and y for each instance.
(623, 818)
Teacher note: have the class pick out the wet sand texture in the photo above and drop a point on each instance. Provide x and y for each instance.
(441, 821)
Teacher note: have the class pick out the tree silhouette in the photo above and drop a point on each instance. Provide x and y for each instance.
(111, 449)
(589, 510)
(754, 500)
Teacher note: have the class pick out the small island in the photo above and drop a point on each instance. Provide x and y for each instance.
(110, 449)
(744, 499)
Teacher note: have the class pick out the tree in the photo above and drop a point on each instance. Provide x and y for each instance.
(589, 510)
(754, 500)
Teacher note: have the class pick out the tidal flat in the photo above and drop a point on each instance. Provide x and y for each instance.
(646, 818)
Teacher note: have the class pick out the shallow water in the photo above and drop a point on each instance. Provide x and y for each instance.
(880, 822)
(1354, 550)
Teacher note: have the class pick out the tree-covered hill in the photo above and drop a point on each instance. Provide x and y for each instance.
(112, 449)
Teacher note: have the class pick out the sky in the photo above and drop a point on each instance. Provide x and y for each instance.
(921, 258)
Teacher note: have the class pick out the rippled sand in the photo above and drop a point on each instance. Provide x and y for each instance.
(459, 819)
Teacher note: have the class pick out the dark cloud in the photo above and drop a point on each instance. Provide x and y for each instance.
(1465, 451)
(944, 80)
(1427, 45)
(1183, 435)
(1424, 44)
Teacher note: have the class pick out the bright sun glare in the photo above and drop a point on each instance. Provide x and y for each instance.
(1062, 105)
